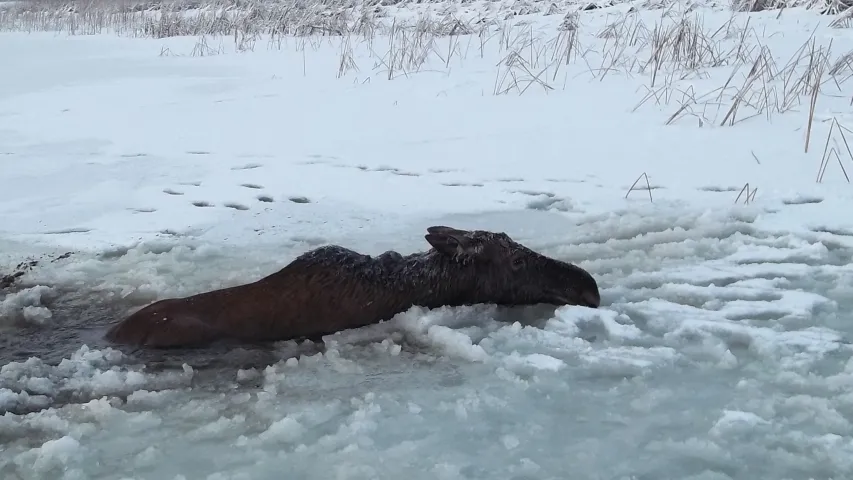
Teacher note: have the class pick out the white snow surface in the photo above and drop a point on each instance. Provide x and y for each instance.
(721, 350)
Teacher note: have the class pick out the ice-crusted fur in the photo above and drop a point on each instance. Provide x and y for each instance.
(333, 288)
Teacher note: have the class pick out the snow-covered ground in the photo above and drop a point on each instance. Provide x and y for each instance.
(138, 168)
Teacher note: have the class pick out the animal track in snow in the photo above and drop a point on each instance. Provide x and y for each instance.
(546, 201)
(395, 171)
(202, 204)
(564, 180)
(719, 189)
(510, 179)
(317, 159)
(299, 199)
(191, 184)
(802, 200)
(198, 152)
(533, 193)
(265, 198)
(382, 168)
(142, 210)
(236, 206)
(247, 166)
(551, 203)
(133, 155)
(462, 184)
(251, 185)
(172, 192)
(365, 168)
(68, 230)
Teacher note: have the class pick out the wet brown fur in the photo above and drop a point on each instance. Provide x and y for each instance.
(332, 288)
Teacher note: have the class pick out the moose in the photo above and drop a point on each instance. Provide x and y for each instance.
(332, 288)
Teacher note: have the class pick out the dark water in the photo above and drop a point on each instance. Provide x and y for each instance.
(78, 319)
(83, 317)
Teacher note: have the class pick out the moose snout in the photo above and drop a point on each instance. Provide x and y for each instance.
(591, 298)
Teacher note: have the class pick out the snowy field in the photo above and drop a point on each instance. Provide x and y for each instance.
(692, 158)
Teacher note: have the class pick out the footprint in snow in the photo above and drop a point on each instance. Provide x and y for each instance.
(236, 206)
(534, 193)
(247, 166)
(551, 203)
(719, 189)
(802, 200)
(462, 184)
(68, 230)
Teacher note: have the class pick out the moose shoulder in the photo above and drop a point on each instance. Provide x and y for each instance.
(332, 288)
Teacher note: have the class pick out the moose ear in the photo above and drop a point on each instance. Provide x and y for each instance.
(451, 241)
(447, 230)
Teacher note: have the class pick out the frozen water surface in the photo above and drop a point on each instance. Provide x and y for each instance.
(136, 168)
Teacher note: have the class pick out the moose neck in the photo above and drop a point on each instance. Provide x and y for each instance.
(389, 282)
(429, 279)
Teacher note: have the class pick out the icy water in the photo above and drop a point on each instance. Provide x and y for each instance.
(721, 352)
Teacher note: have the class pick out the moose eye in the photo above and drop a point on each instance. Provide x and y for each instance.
(517, 262)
